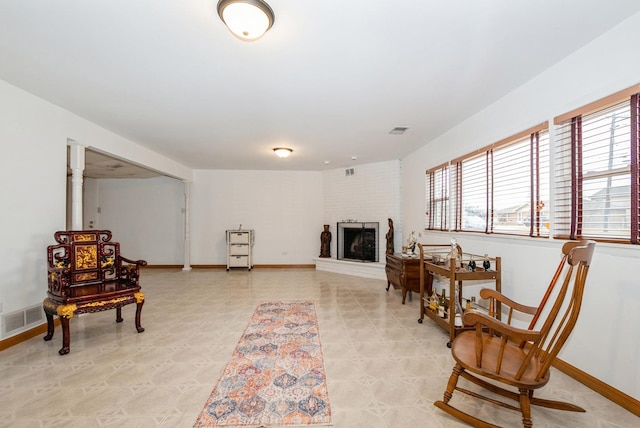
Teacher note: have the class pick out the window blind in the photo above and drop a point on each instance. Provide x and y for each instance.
(472, 198)
(437, 198)
(593, 175)
(635, 168)
(504, 188)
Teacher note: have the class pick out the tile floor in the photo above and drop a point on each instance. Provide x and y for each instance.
(383, 368)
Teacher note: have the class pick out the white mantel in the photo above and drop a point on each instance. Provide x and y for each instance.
(374, 270)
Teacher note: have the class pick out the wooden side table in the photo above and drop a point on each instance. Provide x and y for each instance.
(403, 273)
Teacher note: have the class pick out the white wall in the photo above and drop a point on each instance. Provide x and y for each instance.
(372, 195)
(283, 207)
(286, 209)
(145, 215)
(32, 190)
(603, 343)
(33, 172)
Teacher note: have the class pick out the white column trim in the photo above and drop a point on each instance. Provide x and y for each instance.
(77, 164)
(187, 225)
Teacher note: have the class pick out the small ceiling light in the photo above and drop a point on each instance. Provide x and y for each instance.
(248, 20)
(282, 152)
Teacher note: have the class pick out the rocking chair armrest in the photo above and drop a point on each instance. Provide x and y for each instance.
(515, 334)
(488, 293)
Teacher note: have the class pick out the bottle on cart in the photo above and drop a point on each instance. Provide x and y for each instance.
(433, 301)
(472, 265)
(458, 310)
(468, 306)
(486, 264)
(443, 304)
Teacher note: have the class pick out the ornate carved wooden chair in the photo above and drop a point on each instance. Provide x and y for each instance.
(519, 358)
(87, 274)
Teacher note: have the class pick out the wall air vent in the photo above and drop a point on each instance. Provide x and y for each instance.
(12, 321)
(33, 315)
(21, 320)
(349, 172)
(398, 130)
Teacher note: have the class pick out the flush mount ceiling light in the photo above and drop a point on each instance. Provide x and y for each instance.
(282, 152)
(248, 20)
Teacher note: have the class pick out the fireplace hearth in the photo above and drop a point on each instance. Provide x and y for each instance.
(358, 241)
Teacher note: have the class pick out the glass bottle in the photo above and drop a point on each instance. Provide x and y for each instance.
(486, 264)
(446, 305)
(469, 307)
(472, 264)
(458, 310)
(433, 301)
(443, 304)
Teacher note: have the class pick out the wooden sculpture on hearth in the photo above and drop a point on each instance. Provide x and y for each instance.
(325, 242)
(389, 236)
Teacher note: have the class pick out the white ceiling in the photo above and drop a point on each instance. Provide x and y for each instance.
(330, 79)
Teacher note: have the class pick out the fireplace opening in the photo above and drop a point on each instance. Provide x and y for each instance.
(358, 241)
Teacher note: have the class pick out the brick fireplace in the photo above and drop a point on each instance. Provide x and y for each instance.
(358, 241)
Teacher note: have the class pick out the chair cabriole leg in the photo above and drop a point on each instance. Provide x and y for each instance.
(64, 322)
(139, 327)
(50, 327)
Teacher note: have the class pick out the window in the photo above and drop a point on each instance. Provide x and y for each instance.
(596, 171)
(472, 185)
(504, 188)
(437, 198)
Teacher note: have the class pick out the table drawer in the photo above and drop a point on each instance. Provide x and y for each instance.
(239, 237)
(238, 261)
(238, 250)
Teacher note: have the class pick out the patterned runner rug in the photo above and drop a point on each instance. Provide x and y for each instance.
(276, 375)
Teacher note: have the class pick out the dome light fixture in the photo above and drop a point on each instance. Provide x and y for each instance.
(248, 20)
(282, 152)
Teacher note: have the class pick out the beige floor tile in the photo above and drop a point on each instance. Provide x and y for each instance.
(383, 368)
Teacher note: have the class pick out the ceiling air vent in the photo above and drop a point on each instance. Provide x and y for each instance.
(398, 130)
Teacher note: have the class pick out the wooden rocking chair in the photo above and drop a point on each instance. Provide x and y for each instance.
(517, 357)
